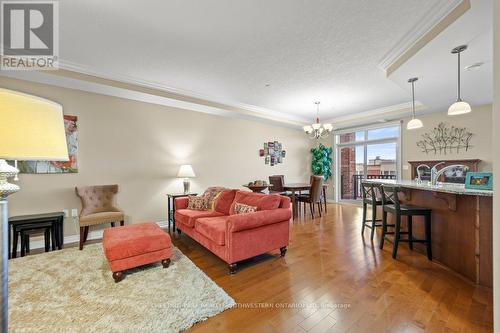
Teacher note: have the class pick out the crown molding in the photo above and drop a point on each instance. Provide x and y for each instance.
(226, 104)
(391, 112)
(144, 95)
(424, 31)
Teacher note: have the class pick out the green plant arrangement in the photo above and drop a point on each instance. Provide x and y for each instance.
(321, 164)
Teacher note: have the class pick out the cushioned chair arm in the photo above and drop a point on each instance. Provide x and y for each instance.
(240, 222)
(181, 203)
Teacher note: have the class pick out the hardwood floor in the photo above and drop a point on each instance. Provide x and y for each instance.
(328, 263)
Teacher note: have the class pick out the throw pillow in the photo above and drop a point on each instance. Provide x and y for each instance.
(197, 203)
(211, 195)
(240, 208)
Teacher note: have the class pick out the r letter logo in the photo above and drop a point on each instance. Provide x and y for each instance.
(30, 35)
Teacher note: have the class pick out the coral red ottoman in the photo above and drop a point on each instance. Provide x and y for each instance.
(135, 245)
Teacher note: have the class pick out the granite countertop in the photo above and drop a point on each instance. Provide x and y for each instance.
(440, 187)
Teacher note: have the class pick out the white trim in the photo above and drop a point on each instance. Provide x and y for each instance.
(74, 67)
(432, 18)
(93, 87)
(241, 111)
(72, 239)
(392, 111)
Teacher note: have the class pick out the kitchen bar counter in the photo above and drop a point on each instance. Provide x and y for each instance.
(440, 187)
(461, 226)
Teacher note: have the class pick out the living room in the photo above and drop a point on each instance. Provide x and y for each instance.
(256, 167)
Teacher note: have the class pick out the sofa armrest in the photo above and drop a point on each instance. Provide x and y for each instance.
(181, 203)
(261, 218)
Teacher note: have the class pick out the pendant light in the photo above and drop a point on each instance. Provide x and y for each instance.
(459, 107)
(414, 123)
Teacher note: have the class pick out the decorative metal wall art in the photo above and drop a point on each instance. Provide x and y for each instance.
(444, 139)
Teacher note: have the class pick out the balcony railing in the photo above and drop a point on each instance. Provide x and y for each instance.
(356, 192)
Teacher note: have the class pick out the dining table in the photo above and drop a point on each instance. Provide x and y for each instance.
(296, 188)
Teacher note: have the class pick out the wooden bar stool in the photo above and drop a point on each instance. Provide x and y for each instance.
(370, 198)
(391, 204)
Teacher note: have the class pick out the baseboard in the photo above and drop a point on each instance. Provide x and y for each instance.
(97, 234)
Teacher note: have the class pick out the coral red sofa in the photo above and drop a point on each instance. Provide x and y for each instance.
(235, 237)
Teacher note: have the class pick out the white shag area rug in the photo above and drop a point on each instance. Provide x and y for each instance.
(73, 291)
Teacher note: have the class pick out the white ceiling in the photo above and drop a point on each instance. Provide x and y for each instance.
(227, 50)
(436, 67)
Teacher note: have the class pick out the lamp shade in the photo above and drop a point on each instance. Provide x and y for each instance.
(459, 107)
(414, 124)
(186, 171)
(307, 129)
(31, 128)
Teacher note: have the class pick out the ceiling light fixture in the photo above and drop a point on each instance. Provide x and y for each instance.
(318, 130)
(414, 123)
(459, 107)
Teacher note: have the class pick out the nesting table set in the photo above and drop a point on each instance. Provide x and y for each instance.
(52, 225)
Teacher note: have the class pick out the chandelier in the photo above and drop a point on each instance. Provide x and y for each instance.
(318, 130)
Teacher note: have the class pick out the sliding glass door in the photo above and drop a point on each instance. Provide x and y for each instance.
(351, 160)
(371, 152)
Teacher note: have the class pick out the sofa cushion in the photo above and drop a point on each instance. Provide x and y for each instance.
(214, 228)
(224, 201)
(188, 216)
(259, 200)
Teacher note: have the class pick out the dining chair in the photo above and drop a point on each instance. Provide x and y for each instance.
(97, 208)
(306, 192)
(314, 196)
(278, 183)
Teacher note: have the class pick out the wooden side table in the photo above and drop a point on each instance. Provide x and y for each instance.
(171, 207)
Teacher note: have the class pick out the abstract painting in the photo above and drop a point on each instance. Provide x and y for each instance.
(71, 166)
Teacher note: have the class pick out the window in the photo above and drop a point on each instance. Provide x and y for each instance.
(371, 152)
(383, 133)
(351, 136)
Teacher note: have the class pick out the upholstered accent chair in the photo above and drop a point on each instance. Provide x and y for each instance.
(97, 208)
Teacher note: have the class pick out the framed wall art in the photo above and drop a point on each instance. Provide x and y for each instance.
(273, 153)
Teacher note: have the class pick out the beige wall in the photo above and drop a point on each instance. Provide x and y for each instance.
(140, 147)
(478, 122)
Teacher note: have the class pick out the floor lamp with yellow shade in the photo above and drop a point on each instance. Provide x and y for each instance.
(31, 128)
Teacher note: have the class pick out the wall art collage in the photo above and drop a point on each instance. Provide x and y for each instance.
(273, 153)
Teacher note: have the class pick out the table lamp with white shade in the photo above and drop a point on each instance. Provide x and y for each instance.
(186, 172)
(31, 128)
